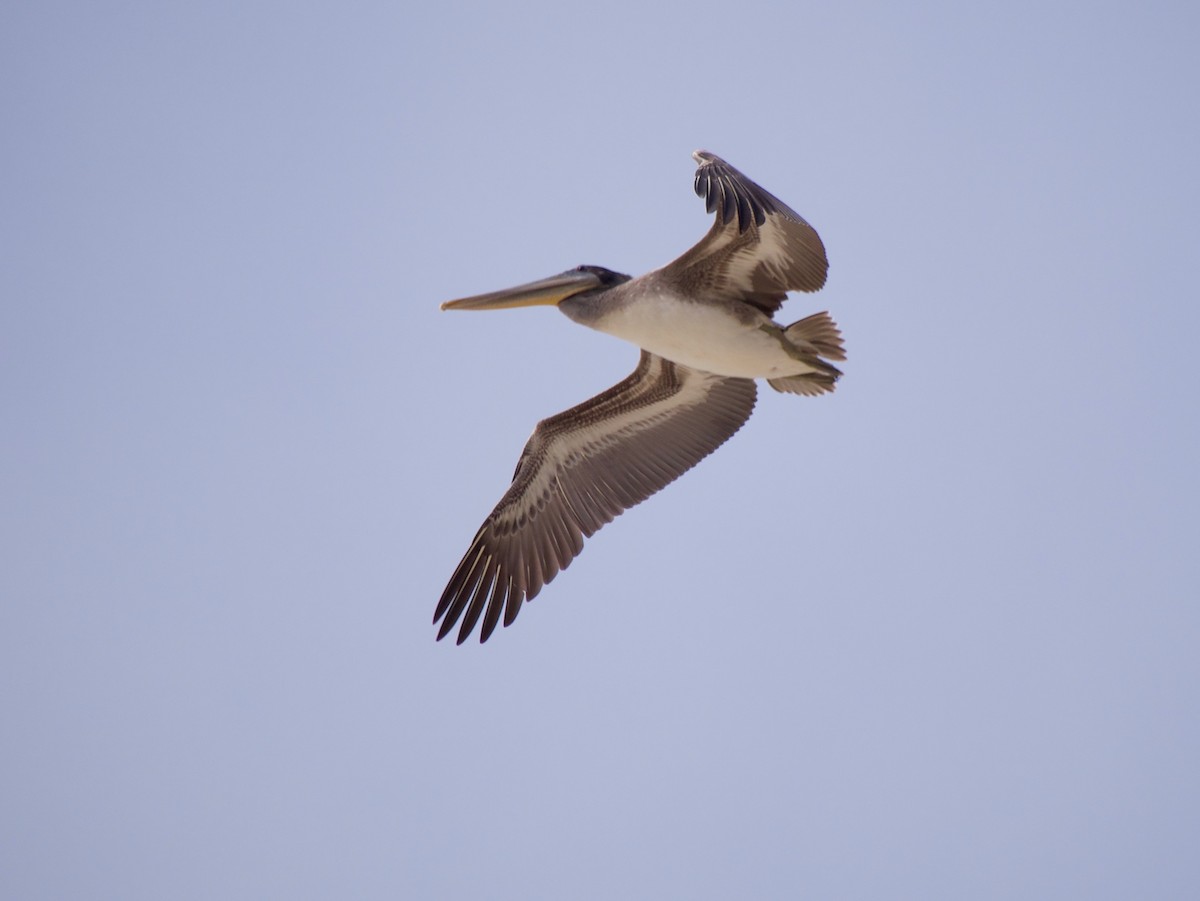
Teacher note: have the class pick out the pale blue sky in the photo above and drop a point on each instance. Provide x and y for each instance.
(935, 636)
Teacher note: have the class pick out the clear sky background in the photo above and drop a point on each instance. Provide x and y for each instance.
(934, 636)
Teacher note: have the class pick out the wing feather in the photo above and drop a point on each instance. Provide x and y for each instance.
(758, 248)
(580, 470)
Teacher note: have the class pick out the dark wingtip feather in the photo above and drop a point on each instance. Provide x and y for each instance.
(726, 191)
(753, 203)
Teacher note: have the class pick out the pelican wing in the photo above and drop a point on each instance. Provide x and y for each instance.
(758, 248)
(579, 470)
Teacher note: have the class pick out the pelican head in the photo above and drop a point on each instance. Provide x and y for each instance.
(544, 292)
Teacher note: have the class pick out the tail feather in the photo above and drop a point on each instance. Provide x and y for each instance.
(821, 333)
(810, 384)
(818, 335)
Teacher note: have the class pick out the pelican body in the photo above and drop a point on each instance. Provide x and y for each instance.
(705, 327)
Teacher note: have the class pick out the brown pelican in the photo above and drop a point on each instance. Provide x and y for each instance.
(704, 324)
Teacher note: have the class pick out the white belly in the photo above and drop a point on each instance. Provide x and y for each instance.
(703, 337)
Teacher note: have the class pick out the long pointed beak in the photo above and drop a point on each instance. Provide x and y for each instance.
(547, 291)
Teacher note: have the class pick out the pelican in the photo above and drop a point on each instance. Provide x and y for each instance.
(705, 328)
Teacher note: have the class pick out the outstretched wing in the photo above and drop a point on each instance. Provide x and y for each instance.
(579, 470)
(758, 248)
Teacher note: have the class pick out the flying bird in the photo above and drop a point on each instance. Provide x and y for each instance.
(705, 328)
